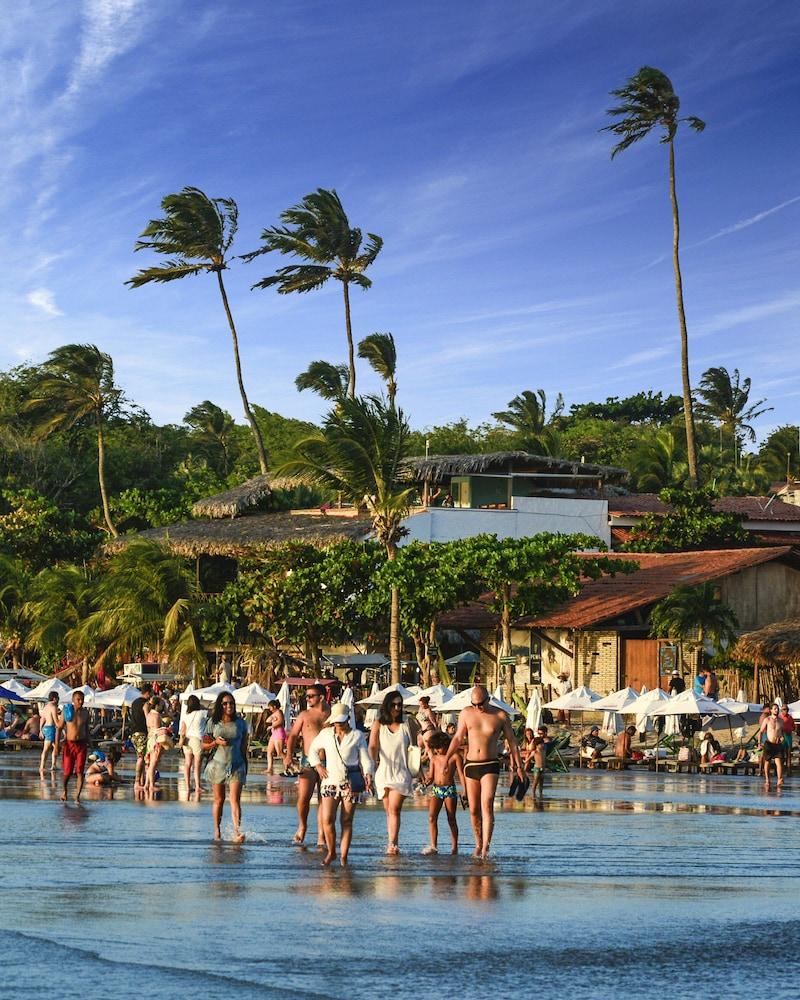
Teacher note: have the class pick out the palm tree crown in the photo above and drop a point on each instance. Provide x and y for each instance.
(527, 417)
(319, 233)
(327, 380)
(648, 101)
(196, 234)
(380, 351)
(76, 383)
(695, 610)
(726, 399)
(213, 428)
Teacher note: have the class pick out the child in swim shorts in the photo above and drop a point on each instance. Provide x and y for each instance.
(441, 776)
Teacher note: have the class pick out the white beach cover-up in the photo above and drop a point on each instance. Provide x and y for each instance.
(393, 772)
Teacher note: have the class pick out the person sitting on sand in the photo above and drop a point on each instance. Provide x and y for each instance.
(101, 771)
(440, 778)
(622, 744)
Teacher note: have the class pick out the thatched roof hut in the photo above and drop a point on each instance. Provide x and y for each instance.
(436, 468)
(240, 499)
(774, 644)
(238, 536)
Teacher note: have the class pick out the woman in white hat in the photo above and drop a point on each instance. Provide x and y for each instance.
(340, 756)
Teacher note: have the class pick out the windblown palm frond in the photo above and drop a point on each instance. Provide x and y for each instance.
(380, 351)
(725, 398)
(318, 232)
(690, 611)
(325, 379)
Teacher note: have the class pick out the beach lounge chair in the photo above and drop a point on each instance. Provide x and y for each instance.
(554, 759)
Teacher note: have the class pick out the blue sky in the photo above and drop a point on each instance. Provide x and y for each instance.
(517, 255)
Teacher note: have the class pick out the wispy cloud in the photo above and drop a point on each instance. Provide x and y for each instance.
(43, 299)
(642, 357)
(748, 314)
(110, 28)
(745, 223)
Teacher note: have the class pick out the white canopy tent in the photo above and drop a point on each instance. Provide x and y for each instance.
(252, 698)
(374, 700)
(438, 694)
(42, 691)
(209, 694)
(17, 687)
(117, 698)
(464, 699)
(582, 699)
(689, 703)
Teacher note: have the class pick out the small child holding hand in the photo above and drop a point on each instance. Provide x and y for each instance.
(441, 777)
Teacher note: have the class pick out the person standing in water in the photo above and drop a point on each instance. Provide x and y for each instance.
(306, 727)
(482, 725)
(75, 721)
(227, 735)
(389, 741)
(773, 733)
(49, 732)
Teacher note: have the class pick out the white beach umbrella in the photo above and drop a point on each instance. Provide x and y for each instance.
(17, 687)
(438, 694)
(617, 701)
(689, 703)
(372, 713)
(285, 700)
(41, 691)
(582, 699)
(252, 697)
(464, 699)
(349, 701)
(210, 694)
(118, 698)
(89, 694)
(533, 712)
(374, 700)
(794, 709)
(638, 708)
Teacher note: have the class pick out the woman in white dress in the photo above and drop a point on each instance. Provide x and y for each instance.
(191, 740)
(340, 757)
(389, 741)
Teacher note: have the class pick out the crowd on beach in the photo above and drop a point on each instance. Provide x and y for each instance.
(342, 762)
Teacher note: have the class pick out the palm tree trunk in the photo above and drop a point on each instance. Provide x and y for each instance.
(351, 358)
(688, 412)
(394, 622)
(101, 476)
(505, 647)
(262, 454)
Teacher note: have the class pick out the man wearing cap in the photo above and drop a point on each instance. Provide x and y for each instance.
(592, 746)
(677, 684)
(306, 727)
(482, 726)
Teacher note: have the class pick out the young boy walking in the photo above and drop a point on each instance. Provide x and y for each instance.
(440, 777)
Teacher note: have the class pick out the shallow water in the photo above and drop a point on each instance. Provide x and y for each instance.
(657, 886)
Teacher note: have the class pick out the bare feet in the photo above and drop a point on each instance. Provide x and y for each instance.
(429, 850)
(392, 849)
(297, 840)
(327, 860)
(477, 854)
(454, 849)
(63, 796)
(217, 835)
(239, 838)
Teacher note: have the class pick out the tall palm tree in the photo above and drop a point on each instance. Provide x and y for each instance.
(325, 379)
(658, 461)
(213, 428)
(527, 417)
(650, 102)
(690, 611)
(76, 384)
(725, 398)
(319, 233)
(380, 351)
(359, 454)
(196, 234)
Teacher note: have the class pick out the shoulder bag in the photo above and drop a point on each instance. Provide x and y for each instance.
(355, 776)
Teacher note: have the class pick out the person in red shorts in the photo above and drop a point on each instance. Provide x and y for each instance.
(75, 720)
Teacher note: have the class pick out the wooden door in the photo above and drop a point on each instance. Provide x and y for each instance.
(640, 663)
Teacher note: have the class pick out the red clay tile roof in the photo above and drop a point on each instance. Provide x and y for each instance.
(609, 597)
(751, 508)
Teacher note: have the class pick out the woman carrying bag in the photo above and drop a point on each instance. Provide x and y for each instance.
(389, 742)
(227, 735)
(340, 756)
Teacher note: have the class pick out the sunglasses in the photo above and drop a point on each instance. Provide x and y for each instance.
(228, 704)
(479, 704)
(396, 704)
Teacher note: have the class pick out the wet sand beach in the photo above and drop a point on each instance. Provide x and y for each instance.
(621, 882)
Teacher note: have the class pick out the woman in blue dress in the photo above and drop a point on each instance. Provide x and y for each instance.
(227, 735)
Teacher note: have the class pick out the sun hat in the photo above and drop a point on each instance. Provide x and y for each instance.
(339, 713)
(675, 673)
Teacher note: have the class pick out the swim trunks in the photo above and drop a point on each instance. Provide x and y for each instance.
(444, 792)
(537, 770)
(477, 768)
(74, 760)
(49, 733)
(139, 741)
(773, 750)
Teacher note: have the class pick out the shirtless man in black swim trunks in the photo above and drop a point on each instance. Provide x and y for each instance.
(772, 728)
(482, 725)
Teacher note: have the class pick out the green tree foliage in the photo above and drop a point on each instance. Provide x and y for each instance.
(528, 576)
(606, 442)
(213, 432)
(725, 400)
(14, 588)
(648, 102)
(779, 455)
(319, 234)
(532, 429)
(60, 598)
(196, 234)
(76, 385)
(38, 533)
(643, 407)
(359, 455)
(379, 350)
(690, 612)
(691, 524)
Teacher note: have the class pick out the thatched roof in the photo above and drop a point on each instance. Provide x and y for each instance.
(238, 536)
(237, 501)
(435, 468)
(778, 643)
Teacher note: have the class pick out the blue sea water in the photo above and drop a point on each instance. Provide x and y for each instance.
(650, 886)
